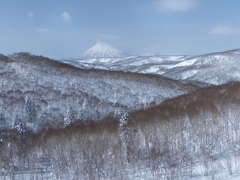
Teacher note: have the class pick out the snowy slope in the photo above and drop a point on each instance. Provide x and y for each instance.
(215, 68)
(55, 87)
(194, 136)
(204, 145)
(141, 64)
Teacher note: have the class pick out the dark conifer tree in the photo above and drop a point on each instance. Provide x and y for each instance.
(2, 127)
(31, 112)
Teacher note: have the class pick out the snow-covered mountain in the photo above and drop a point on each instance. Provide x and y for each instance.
(101, 50)
(215, 68)
(190, 136)
(207, 69)
(56, 87)
(46, 81)
(140, 64)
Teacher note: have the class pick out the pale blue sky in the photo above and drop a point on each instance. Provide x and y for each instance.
(63, 28)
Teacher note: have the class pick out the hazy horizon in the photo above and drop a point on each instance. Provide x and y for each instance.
(60, 29)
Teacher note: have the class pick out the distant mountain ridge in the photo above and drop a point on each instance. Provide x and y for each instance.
(204, 70)
(101, 50)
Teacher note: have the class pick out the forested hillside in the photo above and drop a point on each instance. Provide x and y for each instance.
(42, 91)
(190, 136)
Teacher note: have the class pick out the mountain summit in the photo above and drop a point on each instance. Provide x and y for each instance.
(102, 50)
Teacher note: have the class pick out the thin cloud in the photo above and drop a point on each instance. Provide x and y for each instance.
(224, 30)
(66, 17)
(175, 5)
(30, 14)
(42, 30)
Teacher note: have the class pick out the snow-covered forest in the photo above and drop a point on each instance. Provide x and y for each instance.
(48, 90)
(58, 121)
(193, 136)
